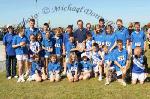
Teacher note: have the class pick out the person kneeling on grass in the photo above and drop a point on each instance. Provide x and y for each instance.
(108, 68)
(36, 69)
(86, 67)
(73, 68)
(54, 69)
(138, 65)
(121, 62)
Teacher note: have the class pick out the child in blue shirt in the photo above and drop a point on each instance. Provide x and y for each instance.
(139, 66)
(73, 68)
(20, 43)
(47, 45)
(121, 62)
(36, 69)
(108, 68)
(97, 61)
(54, 69)
(110, 38)
(98, 36)
(11, 61)
(86, 67)
(138, 38)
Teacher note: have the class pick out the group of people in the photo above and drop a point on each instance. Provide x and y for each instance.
(78, 54)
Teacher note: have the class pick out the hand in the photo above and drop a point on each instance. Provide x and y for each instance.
(22, 43)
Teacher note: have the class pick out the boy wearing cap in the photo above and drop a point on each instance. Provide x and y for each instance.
(86, 67)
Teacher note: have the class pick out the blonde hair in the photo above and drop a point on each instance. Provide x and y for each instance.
(72, 55)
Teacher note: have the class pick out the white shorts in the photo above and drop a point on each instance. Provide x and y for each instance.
(140, 77)
(95, 69)
(23, 57)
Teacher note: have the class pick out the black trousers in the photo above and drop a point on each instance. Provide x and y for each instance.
(11, 63)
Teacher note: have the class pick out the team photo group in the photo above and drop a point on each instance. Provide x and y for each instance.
(102, 51)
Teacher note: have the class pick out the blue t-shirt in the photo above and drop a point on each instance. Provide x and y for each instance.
(68, 47)
(121, 57)
(35, 66)
(137, 66)
(7, 41)
(80, 35)
(47, 43)
(73, 67)
(29, 31)
(65, 38)
(52, 67)
(138, 39)
(86, 65)
(99, 38)
(122, 34)
(20, 50)
(58, 42)
(110, 40)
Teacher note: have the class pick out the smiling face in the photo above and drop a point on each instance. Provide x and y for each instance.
(80, 24)
(120, 46)
(53, 59)
(119, 24)
(137, 27)
(32, 38)
(31, 24)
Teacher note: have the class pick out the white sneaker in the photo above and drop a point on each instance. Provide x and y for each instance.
(15, 76)
(9, 77)
(19, 79)
(100, 78)
(107, 83)
(30, 78)
(22, 79)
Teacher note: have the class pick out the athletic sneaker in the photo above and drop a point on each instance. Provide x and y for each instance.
(100, 78)
(9, 77)
(15, 76)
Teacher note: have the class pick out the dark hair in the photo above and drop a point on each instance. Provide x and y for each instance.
(119, 20)
(88, 24)
(136, 23)
(101, 20)
(95, 44)
(119, 41)
(46, 24)
(32, 20)
(71, 35)
(104, 46)
(109, 26)
(88, 34)
(79, 21)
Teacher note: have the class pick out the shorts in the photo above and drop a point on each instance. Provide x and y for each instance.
(23, 57)
(56, 75)
(137, 76)
(95, 68)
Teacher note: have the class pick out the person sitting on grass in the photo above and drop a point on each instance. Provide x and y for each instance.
(138, 64)
(36, 69)
(73, 68)
(54, 69)
(121, 61)
(86, 67)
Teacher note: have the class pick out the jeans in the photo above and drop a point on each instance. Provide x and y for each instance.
(11, 63)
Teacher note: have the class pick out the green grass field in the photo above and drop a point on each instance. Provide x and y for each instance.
(90, 89)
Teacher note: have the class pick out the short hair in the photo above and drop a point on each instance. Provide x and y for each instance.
(88, 24)
(32, 20)
(79, 21)
(95, 45)
(136, 23)
(119, 41)
(53, 55)
(88, 35)
(46, 24)
(119, 20)
(21, 29)
(101, 20)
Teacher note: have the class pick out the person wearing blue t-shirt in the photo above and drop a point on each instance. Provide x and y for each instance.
(121, 62)
(138, 38)
(108, 66)
(47, 45)
(31, 29)
(110, 38)
(54, 69)
(20, 43)
(139, 66)
(36, 69)
(98, 36)
(11, 61)
(122, 33)
(73, 68)
(58, 43)
(86, 67)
